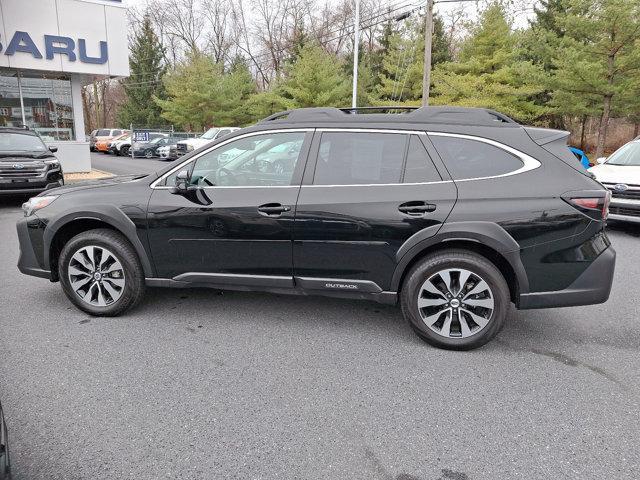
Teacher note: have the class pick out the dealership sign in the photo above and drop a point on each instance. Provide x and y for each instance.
(53, 45)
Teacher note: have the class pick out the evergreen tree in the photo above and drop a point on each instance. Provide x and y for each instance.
(315, 80)
(201, 94)
(145, 81)
(400, 79)
(600, 55)
(490, 73)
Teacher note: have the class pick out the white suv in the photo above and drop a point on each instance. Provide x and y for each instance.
(190, 144)
(620, 173)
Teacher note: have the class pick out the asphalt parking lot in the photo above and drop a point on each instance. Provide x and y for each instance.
(200, 384)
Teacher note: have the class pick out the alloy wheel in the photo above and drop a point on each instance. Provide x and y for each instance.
(455, 303)
(96, 276)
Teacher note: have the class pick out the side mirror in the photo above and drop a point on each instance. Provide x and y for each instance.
(182, 183)
(601, 160)
(53, 149)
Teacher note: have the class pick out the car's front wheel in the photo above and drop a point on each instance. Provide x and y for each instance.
(124, 151)
(100, 273)
(455, 299)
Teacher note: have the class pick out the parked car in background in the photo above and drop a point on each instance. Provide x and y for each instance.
(27, 166)
(452, 213)
(111, 143)
(150, 149)
(92, 140)
(581, 157)
(620, 173)
(168, 151)
(191, 144)
(5, 460)
(103, 136)
(121, 145)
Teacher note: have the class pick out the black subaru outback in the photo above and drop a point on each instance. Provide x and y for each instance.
(27, 166)
(453, 213)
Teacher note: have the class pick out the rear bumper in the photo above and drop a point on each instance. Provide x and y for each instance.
(593, 286)
(28, 261)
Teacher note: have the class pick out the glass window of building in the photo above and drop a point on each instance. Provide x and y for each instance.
(47, 103)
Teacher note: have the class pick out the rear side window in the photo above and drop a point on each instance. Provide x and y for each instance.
(117, 132)
(103, 133)
(419, 167)
(467, 158)
(353, 158)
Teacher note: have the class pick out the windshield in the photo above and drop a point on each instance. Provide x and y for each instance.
(210, 134)
(20, 142)
(156, 140)
(628, 155)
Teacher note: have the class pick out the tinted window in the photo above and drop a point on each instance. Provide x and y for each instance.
(467, 158)
(259, 160)
(117, 132)
(349, 158)
(103, 133)
(419, 167)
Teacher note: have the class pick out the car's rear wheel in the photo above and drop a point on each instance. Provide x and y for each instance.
(124, 151)
(455, 299)
(148, 153)
(100, 273)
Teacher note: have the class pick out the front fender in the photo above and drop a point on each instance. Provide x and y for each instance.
(108, 214)
(488, 234)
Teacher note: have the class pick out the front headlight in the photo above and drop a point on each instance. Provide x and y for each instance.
(190, 148)
(54, 162)
(37, 203)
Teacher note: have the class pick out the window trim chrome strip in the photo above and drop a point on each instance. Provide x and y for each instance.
(529, 163)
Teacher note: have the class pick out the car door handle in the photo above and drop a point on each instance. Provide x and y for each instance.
(273, 209)
(416, 208)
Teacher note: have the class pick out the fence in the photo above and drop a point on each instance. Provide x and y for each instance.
(142, 135)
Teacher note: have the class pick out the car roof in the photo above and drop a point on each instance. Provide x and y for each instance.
(394, 115)
(24, 131)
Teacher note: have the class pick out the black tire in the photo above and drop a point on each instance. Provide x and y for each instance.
(124, 151)
(481, 268)
(148, 153)
(121, 249)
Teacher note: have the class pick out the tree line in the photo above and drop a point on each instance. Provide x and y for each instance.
(198, 63)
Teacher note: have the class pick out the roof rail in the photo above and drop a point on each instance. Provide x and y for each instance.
(440, 114)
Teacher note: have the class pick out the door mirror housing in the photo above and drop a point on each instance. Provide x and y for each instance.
(182, 183)
(53, 149)
(601, 160)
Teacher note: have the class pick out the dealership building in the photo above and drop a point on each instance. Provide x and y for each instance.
(49, 51)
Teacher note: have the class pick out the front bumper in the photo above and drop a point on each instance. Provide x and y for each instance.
(593, 286)
(30, 187)
(30, 231)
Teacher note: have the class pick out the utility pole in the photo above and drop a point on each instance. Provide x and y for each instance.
(428, 40)
(356, 45)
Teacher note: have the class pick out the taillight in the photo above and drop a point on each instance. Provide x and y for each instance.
(595, 204)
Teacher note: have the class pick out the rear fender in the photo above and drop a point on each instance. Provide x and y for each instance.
(488, 234)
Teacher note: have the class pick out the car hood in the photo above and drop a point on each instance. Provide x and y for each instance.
(104, 182)
(616, 174)
(25, 156)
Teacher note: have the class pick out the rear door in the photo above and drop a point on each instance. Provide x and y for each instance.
(364, 194)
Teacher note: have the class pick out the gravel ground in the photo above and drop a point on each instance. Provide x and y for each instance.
(197, 384)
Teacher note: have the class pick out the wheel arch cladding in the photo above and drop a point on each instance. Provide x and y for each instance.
(484, 238)
(63, 228)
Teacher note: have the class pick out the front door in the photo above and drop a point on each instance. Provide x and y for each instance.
(234, 226)
(369, 193)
